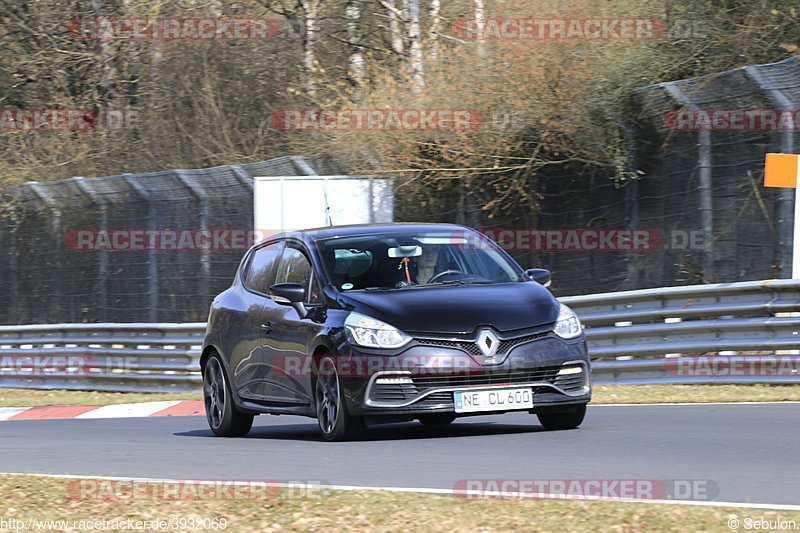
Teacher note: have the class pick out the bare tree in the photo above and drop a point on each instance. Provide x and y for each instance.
(356, 66)
(480, 20)
(395, 32)
(310, 24)
(107, 71)
(434, 13)
(414, 37)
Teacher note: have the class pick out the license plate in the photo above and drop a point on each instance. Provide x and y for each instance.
(493, 400)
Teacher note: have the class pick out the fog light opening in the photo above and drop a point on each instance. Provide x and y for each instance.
(394, 380)
(570, 370)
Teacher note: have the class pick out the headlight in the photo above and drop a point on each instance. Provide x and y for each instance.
(567, 326)
(366, 331)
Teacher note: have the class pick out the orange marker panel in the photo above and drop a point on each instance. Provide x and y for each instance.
(781, 170)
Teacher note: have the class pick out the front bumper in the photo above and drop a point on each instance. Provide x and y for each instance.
(420, 384)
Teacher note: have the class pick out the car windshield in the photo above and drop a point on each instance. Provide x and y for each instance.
(395, 260)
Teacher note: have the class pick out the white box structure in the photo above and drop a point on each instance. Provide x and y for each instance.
(289, 203)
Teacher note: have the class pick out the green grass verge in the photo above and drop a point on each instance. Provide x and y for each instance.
(35, 398)
(26, 497)
(603, 394)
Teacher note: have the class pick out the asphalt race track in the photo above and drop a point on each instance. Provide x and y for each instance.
(749, 451)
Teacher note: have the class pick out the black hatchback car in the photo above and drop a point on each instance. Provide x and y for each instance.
(357, 325)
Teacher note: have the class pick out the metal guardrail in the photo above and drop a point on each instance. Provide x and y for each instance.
(641, 336)
(627, 332)
(119, 357)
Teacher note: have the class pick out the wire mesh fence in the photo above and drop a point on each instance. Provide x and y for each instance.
(109, 249)
(696, 213)
(694, 194)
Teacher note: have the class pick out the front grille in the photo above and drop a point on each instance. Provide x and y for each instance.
(471, 347)
(546, 374)
(402, 393)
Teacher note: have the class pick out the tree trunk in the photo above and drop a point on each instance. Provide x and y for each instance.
(416, 70)
(356, 68)
(480, 20)
(395, 33)
(310, 18)
(433, 33)
(107, 71)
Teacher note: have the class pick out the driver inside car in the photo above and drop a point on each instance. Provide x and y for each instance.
(421, 269)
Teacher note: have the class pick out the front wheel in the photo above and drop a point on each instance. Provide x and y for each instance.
(223, 417)
(335, 423)
(563, 420)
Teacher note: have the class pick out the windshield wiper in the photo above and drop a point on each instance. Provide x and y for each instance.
(459, 282)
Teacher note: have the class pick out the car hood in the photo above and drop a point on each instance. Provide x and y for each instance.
(458, 308)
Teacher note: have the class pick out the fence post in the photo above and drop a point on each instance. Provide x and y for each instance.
(152, 254)
(205, 255)
(243, 177)
(706, 187)
(786, 197)
(58, 236)
(13, 265)
(102, 266)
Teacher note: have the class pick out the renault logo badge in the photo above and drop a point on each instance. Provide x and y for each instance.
(488, 343)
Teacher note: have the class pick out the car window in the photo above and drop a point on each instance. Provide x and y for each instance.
(395, 259)
(261, 270)
(294, 267)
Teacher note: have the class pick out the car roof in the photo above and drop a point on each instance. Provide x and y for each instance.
(314, 234)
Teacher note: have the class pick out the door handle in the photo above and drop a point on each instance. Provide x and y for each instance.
(266, 327)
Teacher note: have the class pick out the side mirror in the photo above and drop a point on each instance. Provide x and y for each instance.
(292, 294)
(539, 275)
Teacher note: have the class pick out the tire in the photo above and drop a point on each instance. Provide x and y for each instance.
(564, 420)
(335, 423)
(224, 419)
(437, 419)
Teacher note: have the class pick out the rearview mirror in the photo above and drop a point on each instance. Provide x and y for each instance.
(405, 251)
(539, 275)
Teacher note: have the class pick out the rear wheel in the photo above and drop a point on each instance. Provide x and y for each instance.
(335, 423)
(437, 419)
(223, 417)
(564, 419)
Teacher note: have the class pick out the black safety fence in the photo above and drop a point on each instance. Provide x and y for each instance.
(150, 247)
(691, 210)
(691, 207)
